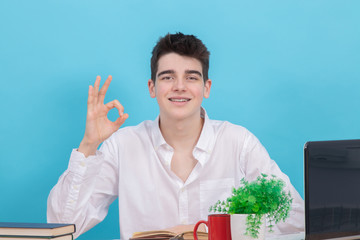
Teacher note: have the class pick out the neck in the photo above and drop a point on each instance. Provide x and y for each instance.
(181, 134)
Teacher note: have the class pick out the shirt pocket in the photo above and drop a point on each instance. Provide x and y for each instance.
(213, 190)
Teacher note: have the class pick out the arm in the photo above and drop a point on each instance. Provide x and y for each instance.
(89, 185)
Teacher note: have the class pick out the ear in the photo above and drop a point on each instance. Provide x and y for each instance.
(207, 87)
(152, 90)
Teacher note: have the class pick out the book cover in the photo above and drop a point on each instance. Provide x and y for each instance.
(35, 229)
(64, 237)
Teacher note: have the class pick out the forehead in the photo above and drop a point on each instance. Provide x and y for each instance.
(178, 63)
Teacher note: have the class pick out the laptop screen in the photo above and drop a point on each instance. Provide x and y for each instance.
(332, 189)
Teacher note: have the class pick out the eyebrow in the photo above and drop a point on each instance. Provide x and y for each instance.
(165, 72)
(172, 72)
(193, 72)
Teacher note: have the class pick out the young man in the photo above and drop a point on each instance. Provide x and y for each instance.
(168, 172)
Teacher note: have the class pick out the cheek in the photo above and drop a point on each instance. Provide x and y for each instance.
(199, 92)
(160, 90)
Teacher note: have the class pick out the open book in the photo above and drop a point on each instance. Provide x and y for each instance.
(166, 235)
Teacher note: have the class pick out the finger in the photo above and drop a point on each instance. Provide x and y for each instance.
(96, 88)
(120, 121)
(104, 88)
(115, 104)
(90, 101)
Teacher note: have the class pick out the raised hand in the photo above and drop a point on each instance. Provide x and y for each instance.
(98, 126)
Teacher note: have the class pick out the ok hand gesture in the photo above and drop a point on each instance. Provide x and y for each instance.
(98, 126)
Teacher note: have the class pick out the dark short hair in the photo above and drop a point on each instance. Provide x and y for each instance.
(185, 45)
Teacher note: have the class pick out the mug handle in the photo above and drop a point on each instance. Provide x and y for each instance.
(196, 228)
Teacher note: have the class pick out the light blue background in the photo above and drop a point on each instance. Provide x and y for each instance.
(287, 70)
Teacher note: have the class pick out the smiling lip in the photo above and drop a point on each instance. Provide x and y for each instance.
(179, 99)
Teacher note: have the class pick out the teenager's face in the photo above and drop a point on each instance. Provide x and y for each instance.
(179, 87)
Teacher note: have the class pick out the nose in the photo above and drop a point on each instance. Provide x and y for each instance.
(179, 85)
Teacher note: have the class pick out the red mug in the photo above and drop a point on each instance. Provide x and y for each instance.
(218, 227)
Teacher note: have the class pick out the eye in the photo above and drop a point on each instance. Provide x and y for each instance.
(193, 78)
(166, 78)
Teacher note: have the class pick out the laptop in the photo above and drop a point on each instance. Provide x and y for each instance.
(332, 189)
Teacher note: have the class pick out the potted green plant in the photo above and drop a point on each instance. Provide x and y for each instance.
(263, 198)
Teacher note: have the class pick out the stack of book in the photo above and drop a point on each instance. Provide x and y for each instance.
(36, 231)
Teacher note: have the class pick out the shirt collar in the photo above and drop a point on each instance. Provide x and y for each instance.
(156, 135)
(205, 141)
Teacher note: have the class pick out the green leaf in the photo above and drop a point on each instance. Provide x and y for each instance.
(256, 208)
(251, 199)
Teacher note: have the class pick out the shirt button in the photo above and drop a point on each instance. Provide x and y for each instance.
(82, 164)
(76, 187)
(183, 222)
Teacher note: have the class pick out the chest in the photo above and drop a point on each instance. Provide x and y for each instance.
(170, 181)
(182, 164)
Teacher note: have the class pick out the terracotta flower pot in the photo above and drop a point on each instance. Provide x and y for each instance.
(238, 228)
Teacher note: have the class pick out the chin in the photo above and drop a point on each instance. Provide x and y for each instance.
(183, 115)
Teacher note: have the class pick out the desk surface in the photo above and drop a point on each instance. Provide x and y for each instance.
(294, 236)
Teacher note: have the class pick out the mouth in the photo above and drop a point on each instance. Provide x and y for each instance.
(179, 99)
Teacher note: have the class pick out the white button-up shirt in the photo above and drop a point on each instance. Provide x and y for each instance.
(134, 165)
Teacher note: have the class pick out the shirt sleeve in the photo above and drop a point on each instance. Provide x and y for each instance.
(84, 191)
(257, 161)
